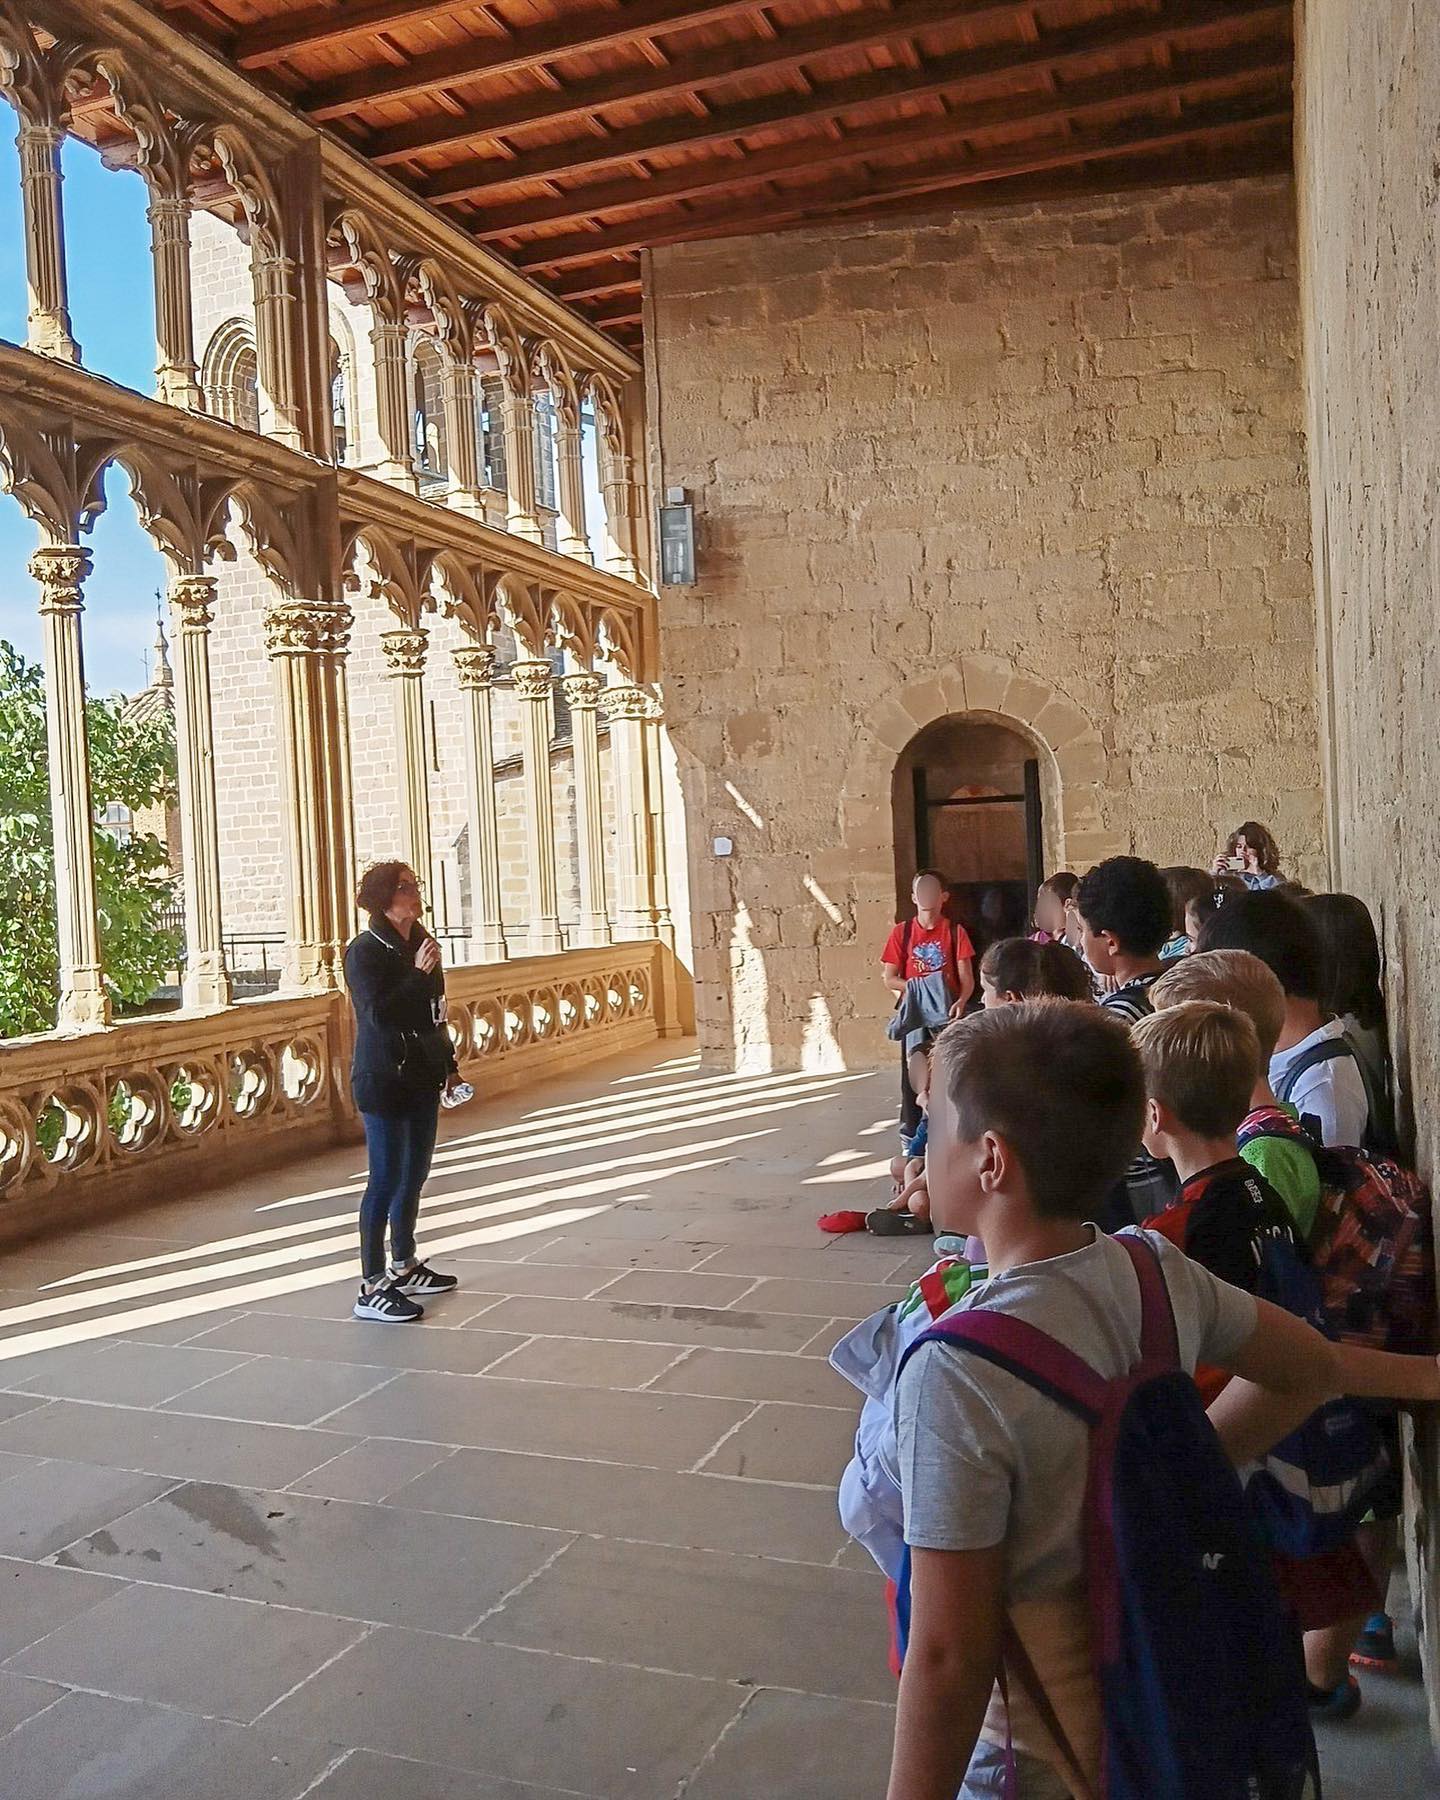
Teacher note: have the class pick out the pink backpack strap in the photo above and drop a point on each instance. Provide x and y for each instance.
(1026, 1352)
(1159, 1340)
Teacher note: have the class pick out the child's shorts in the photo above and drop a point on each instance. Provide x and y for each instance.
(985, 1778)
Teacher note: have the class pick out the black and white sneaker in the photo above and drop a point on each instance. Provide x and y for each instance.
(387, 1304)
(423, 1280)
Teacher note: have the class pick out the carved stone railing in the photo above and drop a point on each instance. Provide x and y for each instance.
(101, 1120)
(511, 1020)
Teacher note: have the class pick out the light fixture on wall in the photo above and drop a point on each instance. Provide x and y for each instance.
(677, 539)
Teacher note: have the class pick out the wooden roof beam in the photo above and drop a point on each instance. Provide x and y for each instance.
(1189, 19)
(455, 64)
(780, 50)
(1211, 70)
(899, 183)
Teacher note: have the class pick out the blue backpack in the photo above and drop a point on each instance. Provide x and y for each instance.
(1202, 1682)
(1314, 1487)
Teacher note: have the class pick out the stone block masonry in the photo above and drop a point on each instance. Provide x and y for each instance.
(1044, 463)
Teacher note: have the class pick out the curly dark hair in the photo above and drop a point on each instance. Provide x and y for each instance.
(1126, 896)
(378, 885)
(1267, 851)
(1019, 965)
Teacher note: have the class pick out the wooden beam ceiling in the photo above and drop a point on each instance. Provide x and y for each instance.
(522, 50)
(892, 184)
(941, 74)
(573, 134)
(696, 73)
(1213, 75)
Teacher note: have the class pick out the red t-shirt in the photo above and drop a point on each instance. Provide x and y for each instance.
(943, 947)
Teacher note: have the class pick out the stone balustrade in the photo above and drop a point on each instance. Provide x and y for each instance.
(100, 1119)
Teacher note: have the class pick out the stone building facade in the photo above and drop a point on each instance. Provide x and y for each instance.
(1041, 464)
(250, 795)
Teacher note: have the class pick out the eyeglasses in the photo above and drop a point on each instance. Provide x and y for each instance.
(407, 887)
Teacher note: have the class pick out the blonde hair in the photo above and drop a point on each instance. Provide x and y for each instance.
(1233, 978)
(1201, 1060)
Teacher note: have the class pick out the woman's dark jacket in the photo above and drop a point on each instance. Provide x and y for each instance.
(402, 1057)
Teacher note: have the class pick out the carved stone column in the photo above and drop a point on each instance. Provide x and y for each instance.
(532, 690)
(306, 641)
(655, 806)
(405, 666)
(462, 436)
(61, 570)
(392, 398)
(48, 324)
(571, 538)
(622, 505)
(520, 514)
(628, 708)
(475, 669)
(206, 979)
(176, 375)
(582, 694)
(277, 301)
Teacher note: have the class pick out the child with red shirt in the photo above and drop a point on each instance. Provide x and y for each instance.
(929, 944)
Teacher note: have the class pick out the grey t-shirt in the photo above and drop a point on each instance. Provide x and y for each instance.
(986, 1459)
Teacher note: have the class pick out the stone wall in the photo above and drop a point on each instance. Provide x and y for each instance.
(1369, 182)
(1041, 462)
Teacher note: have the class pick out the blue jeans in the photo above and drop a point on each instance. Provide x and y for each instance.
(399, 1146)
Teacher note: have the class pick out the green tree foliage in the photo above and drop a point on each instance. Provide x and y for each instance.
(131, 761)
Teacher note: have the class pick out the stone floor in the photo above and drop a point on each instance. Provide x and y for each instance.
(575, 1535)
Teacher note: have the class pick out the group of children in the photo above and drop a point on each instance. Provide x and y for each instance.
(1225, 1104)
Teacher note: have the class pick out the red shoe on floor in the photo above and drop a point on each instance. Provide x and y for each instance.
(841, 1221)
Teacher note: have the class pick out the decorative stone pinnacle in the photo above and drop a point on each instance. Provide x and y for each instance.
(404, 652)
(61, 570)
(532, 680)
(474, 665)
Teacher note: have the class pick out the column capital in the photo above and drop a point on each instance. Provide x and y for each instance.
(61, 570)
(167, 208)
(532, 680)
(193, 597)
(582, 690)
(404, 652)
(629, 703)
(474, 665)
(307, 628)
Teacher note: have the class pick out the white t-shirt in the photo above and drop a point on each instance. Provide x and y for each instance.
(986, 1459)
(1332, 1092)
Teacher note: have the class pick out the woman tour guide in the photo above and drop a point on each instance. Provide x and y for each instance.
(403, 1062)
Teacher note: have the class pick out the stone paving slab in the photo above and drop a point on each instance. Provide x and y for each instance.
(572, 1538)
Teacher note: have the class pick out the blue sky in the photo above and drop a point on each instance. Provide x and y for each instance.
(112, 308)
(112, 312)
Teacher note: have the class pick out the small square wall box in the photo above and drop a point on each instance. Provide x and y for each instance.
(724, 846)
(677, 540)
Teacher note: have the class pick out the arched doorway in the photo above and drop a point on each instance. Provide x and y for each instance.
(966, 800)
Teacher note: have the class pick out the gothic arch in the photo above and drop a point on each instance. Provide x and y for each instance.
(1071, 751)
(230, 375)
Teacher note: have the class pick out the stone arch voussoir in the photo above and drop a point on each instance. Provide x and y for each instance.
(994, 687)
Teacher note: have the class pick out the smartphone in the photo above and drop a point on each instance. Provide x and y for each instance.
(1237, 863)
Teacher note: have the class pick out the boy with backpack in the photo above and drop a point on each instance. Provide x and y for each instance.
(1125, 911)
(928, 963)
(1314, 1068)
(1236, 979)
(1094, 1601)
